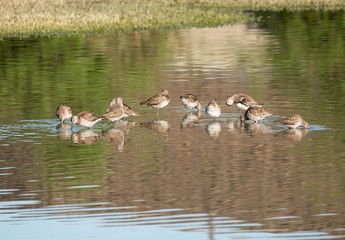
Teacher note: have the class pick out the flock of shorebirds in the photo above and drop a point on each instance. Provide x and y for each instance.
(253, 111)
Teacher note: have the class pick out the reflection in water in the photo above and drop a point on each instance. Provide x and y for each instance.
(254, 186)
(64, 130)
(253, 128)
(190, 119)
(295, 135)
(85, 136)
(116, 137)
(213, 128)
(158, 126)
(231, 126)
(125, 125)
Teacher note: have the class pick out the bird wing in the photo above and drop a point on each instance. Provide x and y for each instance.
(258, 111)
(248, 100)
(251, 100)
(89, 116)
(191, 97)
(69, 110)
(289, 120)
(127, 110)
(114, 111)
(155, 100)
(239, 96)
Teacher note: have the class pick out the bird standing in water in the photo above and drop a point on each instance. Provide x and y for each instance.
(255, 114)
(293, 121)
(127, 111)
(63, 112)
(115, 112)
(190, 101)
(213, 110)
(86, 119)
(158, 101)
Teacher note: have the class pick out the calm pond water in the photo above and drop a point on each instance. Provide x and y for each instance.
(179, 176)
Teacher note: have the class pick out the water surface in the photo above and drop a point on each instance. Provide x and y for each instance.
(177, 175)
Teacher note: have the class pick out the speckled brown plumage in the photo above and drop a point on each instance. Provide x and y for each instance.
(115, 112)
(293, 121)
(190, 101)
(63, 112)
(127, 111)
(158, 101)
(256, 114)
(213, 110)
(242, 100)
(86, 119)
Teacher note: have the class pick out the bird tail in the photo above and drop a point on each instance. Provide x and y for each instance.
(142, 103)
(130, 112)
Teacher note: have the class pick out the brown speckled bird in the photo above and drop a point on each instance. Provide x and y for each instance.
(127, 111)
(242, 100)
(255, 114)
(63, 112)
(293, 121)
(86, 119)
(190, 101)
(115, 112)
(213, 110)
(158, 101)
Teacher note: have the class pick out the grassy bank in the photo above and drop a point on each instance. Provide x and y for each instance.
(48, 17)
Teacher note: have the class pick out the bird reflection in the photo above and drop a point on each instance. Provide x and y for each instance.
(190, 119)
(116, 137)
(295, 135)
(213, 128)
(158, 126)
(64, 130)
(254, 128)
(85, 136)
(234, 127)
(125, 125)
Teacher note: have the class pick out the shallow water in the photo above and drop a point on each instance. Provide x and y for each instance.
(177, 175)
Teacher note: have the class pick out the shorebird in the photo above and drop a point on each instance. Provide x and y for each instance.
(242, 100)
(63, 112)
(158, 101)
(293, 121)
(213, 110)
(190, 101)
(246, 103)
(127, 111)
(255, 114)
(86, 119)
(115, 112)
